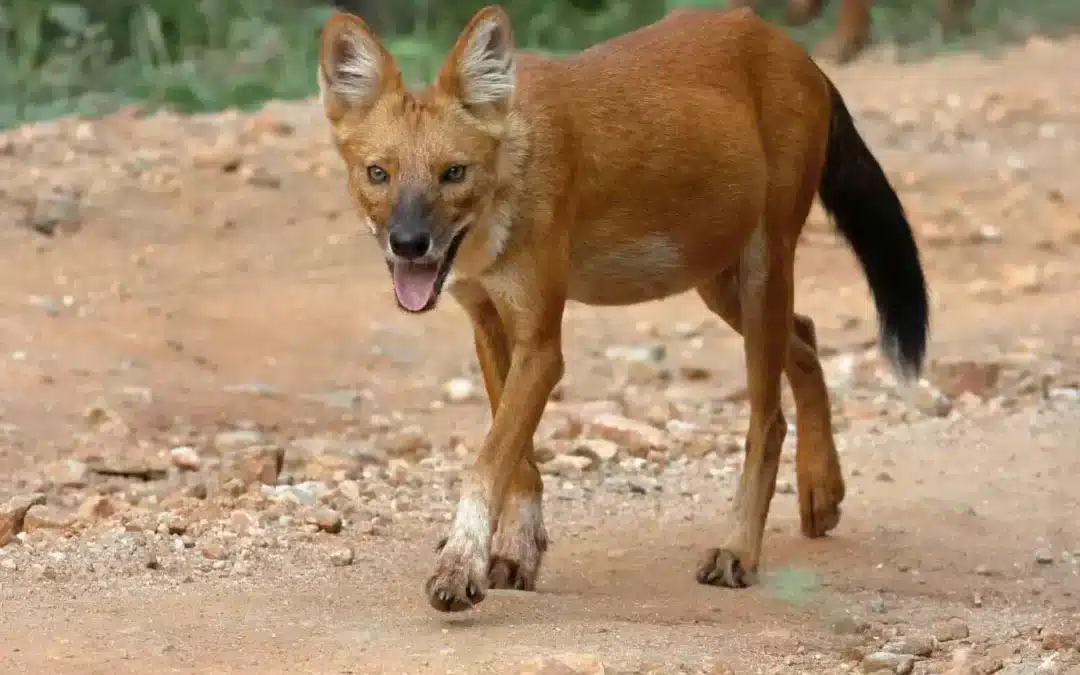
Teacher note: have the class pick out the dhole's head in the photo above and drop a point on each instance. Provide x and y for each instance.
(424, 168)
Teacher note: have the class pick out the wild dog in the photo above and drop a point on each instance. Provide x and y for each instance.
(683, 155)
(852, 32)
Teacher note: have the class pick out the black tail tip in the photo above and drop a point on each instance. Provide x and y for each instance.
(904, 346)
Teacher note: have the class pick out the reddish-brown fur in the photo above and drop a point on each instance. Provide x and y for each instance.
(852, 32)
(684, 155)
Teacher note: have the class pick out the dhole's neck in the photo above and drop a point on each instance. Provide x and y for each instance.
(512, 167)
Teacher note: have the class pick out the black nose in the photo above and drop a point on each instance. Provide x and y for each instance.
(409, 245)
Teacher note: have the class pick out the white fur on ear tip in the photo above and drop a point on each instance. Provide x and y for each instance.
(355, 73)
(487, 69)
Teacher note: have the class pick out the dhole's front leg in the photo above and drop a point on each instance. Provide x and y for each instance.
(520, 539)
(503, 470)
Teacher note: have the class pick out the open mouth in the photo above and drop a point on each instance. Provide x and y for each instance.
(417, 284)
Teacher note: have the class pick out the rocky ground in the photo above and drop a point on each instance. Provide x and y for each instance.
(224, 451)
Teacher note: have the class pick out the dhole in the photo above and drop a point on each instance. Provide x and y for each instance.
(684, 155)
(852, 32)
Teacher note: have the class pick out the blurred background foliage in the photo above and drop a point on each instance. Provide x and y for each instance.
(91, 56)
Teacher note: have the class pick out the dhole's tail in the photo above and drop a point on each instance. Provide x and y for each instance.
(856, 192)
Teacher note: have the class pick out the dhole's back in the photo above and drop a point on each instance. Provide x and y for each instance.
(654, 129)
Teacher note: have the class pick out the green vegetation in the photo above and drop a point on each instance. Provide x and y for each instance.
(91, 56)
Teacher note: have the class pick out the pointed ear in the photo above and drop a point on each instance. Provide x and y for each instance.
(479, 71)
(354, 68)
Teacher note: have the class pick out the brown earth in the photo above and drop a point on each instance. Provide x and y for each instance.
(207, 316)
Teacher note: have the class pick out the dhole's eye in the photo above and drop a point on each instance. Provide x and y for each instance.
(454, 174)
(377, 175)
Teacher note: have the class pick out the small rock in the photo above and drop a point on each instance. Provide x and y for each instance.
(1050, 667)
(265, 123)
(848, 625)
(342, 557)
(56, 210)
(184, 457)
(305, 494)
(225, 159)
(350, 490)
(327, 520)
(97, 506)
(67, 473)
(13, 513)
(630, 353)
(408, 442)
(260, 176)
(599, 449)
(142, 468)
(566, 465)
(637, 437)
(912, 645)
(254, 389)
(213, 550)
(173, 523)
(242, 522)
(694, 373)
(196, 490)
(642, 484)
(901, 664)
(784, 487)
(563, 664)
(42, 517)
(97, 416)
(1044, 556)
(953, 629)
(459, 390)
(931, 402)
(967, 376)
(236, 440)
(262, 464)
(639, 364)
(1022, 279)
(234, 487)
(1053, 641)
(344, 398)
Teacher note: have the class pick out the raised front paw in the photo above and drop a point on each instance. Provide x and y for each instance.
(460, 578)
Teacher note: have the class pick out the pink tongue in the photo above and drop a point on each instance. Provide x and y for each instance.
(414, 284)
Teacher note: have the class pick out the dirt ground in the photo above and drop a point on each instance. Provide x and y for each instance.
(238, 455)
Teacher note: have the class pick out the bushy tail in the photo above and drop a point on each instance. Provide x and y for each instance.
(857, 194)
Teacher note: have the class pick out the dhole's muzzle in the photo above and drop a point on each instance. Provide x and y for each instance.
(419, 251)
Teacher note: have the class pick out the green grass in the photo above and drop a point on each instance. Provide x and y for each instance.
(91, 57)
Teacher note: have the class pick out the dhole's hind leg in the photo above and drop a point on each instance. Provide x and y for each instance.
(800, 12)
(765, 302)
(520, 539)
(954, 16)
(817, 464)
(852, 32)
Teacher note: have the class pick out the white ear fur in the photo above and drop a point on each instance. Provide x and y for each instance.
(352, 70)
(486, 68)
